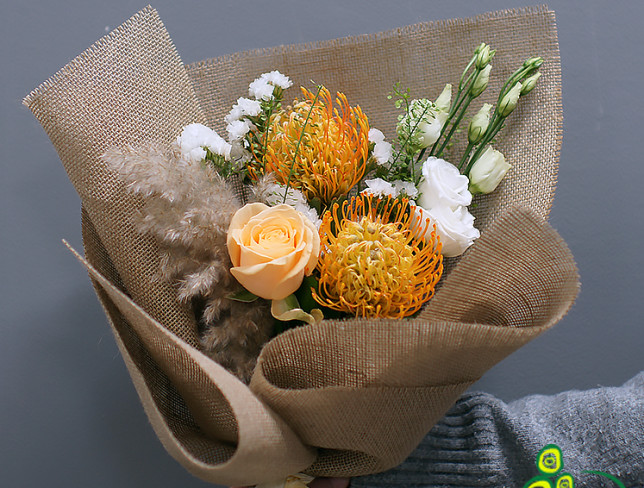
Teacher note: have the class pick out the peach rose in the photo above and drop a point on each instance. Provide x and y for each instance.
(271, 249)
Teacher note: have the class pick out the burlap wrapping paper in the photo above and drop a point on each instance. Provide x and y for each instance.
(343, 397)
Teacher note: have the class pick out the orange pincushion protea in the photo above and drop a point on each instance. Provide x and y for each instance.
(375, 261)
(329, 158)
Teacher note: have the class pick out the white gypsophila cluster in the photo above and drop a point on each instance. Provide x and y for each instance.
(274, 195)
(195, 137)
(262, 88)
(382, 150)
(381, 188)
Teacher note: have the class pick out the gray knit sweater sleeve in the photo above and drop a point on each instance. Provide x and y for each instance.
(483, 442)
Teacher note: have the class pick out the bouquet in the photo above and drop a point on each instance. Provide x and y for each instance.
(306, 296)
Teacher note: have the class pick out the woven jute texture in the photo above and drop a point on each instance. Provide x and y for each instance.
(342, 397)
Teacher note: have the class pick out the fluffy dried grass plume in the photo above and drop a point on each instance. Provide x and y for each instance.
(188, 207)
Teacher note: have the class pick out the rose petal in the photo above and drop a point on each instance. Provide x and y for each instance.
(240, 217)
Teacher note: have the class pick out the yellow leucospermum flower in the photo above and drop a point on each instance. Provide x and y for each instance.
(317, 148)
(375, 261)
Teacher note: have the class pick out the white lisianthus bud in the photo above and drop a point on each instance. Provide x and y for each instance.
(442, 185)
(481, 81)
(430, 130)
(444, 100)
(479, 124)
(488, 171)
(530, 83)
(533, 62)
(426, 121)
(484, 56)
(509, 101)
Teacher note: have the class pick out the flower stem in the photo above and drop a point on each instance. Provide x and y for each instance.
(468, 99)
(492, 131)
(299, 141)
(461, 96)
(466, 154)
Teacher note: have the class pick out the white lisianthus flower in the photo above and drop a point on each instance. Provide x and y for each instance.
(443, 186)
(195, 137)
(488, 171)
(429, 130)
(382, 150)
(237, 129)
(455, 228)
(444, 100)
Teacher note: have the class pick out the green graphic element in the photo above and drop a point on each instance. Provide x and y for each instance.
(550, 460)
(550, 463)
(606, 475)
(539, 482)
(565, 481)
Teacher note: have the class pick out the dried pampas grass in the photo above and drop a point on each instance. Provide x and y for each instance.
(188, 207)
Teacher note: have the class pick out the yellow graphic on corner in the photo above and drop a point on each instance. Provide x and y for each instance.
(550, 463)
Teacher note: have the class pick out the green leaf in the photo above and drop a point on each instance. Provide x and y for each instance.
(304, 295)
(243, 296)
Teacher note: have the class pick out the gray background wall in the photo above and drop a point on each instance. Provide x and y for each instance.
(69, 415)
